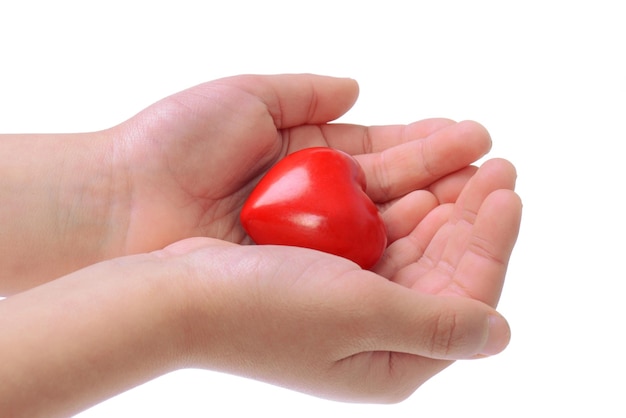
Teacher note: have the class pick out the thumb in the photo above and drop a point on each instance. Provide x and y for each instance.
(434, 326)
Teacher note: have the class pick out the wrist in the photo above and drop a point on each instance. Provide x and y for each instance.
(56, 192)
(105, 329)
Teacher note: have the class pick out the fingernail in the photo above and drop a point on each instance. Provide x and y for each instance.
(499, 336)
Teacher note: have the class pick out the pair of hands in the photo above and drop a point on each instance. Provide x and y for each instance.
(451, 227)
(180, 171)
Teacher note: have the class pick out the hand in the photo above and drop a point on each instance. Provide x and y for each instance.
(366, 338)
(187, 163)
(294, 317)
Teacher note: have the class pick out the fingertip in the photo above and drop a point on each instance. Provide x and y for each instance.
(504, 166)
(477, 132)
(353, 89)
(492, 175)
(507, 205)
(353, 82)
(498, 335)
(504, 203)
(406, 213)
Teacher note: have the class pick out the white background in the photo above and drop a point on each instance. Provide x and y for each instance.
(547, 78)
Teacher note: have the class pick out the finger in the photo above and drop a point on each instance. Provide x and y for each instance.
(357, 139)
(297, 99)
(482, 269)
(417, 164)
(439, 327)
(403, 215)
(398, 262)
(493, 175)
(188, 245)
(412, 337)
(448, 188)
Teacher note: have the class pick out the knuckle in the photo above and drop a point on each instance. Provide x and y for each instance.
(382, 178)
(446, 337)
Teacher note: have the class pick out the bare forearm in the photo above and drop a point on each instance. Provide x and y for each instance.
(53, 217)
(78, 340)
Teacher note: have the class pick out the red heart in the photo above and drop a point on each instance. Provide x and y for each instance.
(315, 198)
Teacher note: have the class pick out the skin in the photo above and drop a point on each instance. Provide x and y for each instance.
(121, 253)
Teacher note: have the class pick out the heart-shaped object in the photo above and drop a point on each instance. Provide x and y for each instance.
(315, 198)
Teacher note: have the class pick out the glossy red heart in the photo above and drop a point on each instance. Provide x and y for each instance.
(315, 198)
